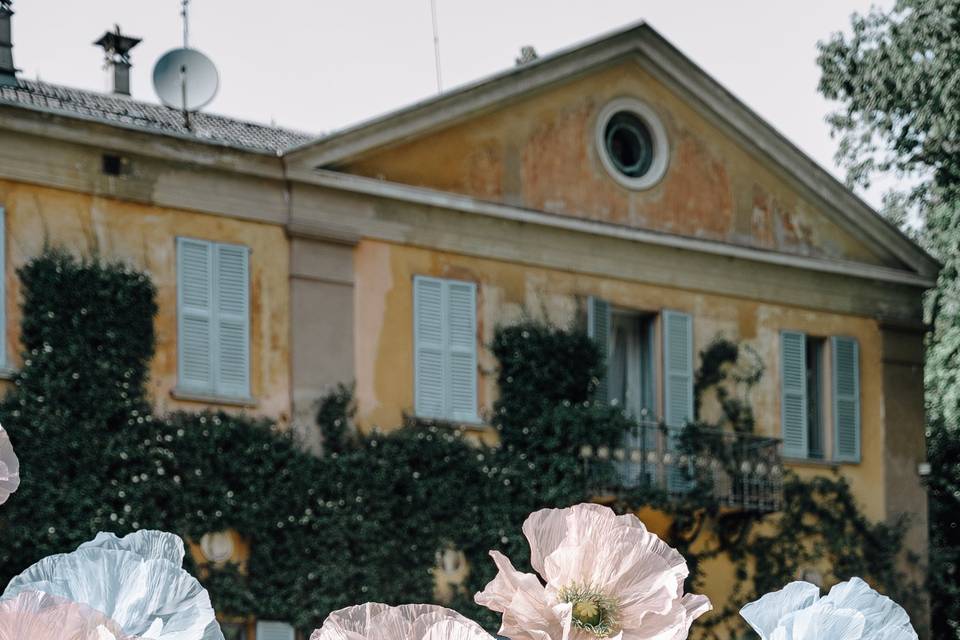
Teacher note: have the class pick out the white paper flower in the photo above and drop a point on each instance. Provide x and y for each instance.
(137, 581)
(606, 577)
(375, 621)
(40, 616)
(9, 467)
(851, 611)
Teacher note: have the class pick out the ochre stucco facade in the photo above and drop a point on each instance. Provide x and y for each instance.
(144, 237)
(541, 153)
(508, 292)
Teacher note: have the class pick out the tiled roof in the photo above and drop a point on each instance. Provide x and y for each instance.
(124, 111)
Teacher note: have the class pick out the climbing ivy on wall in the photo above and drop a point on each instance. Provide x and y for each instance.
(818, 526)
(366, 520)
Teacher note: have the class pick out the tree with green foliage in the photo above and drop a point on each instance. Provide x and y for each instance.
(896, 75)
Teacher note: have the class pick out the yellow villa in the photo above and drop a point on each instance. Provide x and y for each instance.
(614, 177)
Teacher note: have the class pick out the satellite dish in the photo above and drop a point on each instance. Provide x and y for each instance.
(185, 79)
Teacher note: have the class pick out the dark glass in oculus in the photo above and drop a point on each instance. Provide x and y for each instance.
(629, 144)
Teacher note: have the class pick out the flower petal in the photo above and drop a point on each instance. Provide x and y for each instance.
(145, 543)
(884, 618)
(450, 629)
(141, 594)
(764, 615)
(40, 616)
(9, 467)
(671, 625)
(643, 573)
(376, 621)
(546, 529)
(824, 621)
(527, 611)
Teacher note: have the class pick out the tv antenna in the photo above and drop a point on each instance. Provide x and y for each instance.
(436, 44)
(185, 14)
(184, 78)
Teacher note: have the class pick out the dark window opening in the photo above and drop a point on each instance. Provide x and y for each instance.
(815, 422)
(234, 630)
(629, 144)
(630, 364)
(113, 165)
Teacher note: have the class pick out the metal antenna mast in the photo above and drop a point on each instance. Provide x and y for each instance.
(436, 44)
(184, 13)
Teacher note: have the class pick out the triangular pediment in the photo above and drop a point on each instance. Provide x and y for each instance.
(534, 138)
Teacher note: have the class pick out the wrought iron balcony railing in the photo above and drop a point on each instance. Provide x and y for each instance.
(739, 470)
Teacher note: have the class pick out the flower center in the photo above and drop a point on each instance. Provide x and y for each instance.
(592, 611)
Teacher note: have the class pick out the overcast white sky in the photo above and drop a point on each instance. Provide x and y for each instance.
(318, 65)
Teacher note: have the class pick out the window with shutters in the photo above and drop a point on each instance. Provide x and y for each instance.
(629, 341)
(820, 397)
(213, 309)
(273, 630)
(445, 346)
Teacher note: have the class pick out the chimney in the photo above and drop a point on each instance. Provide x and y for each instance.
(8, 73)
(116, 49)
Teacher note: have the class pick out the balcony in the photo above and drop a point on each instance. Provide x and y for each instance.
(739, 471)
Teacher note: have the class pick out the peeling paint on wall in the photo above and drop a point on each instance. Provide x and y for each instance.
(541, 153)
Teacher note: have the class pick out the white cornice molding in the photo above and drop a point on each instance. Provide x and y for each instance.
(466, 204)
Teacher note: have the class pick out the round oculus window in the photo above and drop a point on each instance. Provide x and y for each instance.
(629, 144)
(633, 143)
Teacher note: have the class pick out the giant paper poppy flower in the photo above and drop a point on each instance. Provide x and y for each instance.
(9, 467)
(137, 581)
(40, 616)
(851, 611)
(375, 621)
(605, 576)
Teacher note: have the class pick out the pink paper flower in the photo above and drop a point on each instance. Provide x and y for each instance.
(9, 467)
(33, 615)
(375, 621)
(606, 577)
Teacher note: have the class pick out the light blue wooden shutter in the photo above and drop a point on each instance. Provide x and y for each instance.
(846, 398)
(678, 368)
(462, 350)
(232, 286)
(598, 328)
(428, 320)
(793, 394)
(195, 315)
(677, 389)
(445, 345)
(270, 630)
